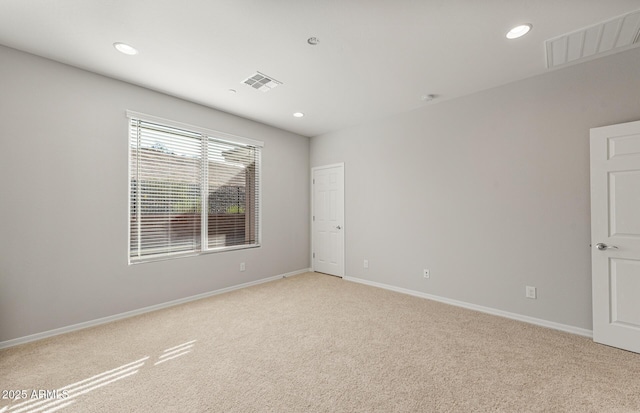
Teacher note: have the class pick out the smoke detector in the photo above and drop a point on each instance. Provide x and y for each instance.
(261, 82)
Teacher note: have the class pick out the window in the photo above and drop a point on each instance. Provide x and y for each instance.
(191, 190)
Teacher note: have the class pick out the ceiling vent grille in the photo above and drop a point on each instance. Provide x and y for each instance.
(261, 82)
(615, 35)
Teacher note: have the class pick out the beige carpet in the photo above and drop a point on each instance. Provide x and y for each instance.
(315, 343)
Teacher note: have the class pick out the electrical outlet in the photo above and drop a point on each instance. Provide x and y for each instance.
(426, 273)
(242, 266)
(530, 292)
(366, 264)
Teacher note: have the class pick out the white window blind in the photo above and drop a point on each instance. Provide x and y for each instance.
(190, 192)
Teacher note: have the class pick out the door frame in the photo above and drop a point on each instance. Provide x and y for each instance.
(311, 221)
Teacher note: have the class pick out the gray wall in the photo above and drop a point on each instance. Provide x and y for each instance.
(490, 191)
(63, 214)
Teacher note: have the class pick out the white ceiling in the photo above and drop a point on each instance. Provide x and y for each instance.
(375, 57)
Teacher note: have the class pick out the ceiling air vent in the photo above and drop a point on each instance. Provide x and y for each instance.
(611, 36)
(261, 82)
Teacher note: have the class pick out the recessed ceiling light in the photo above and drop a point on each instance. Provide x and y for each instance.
(313, 41)
(125, 48)
(298, 114)
(233, 91)
(519, 31)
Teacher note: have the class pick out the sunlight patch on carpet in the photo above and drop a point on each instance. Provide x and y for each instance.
(62, 397)
(174, 352)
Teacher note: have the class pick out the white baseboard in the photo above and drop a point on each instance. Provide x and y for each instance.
(109, 319)
(291, 274)
(519, 317)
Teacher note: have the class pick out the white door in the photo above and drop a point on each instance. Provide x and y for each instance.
(327, 221)
(615, 235)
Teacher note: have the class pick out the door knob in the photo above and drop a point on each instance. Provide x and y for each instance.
(603, 247)
(338, 227)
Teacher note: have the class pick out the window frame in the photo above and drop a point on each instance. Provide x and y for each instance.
(205, 135)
